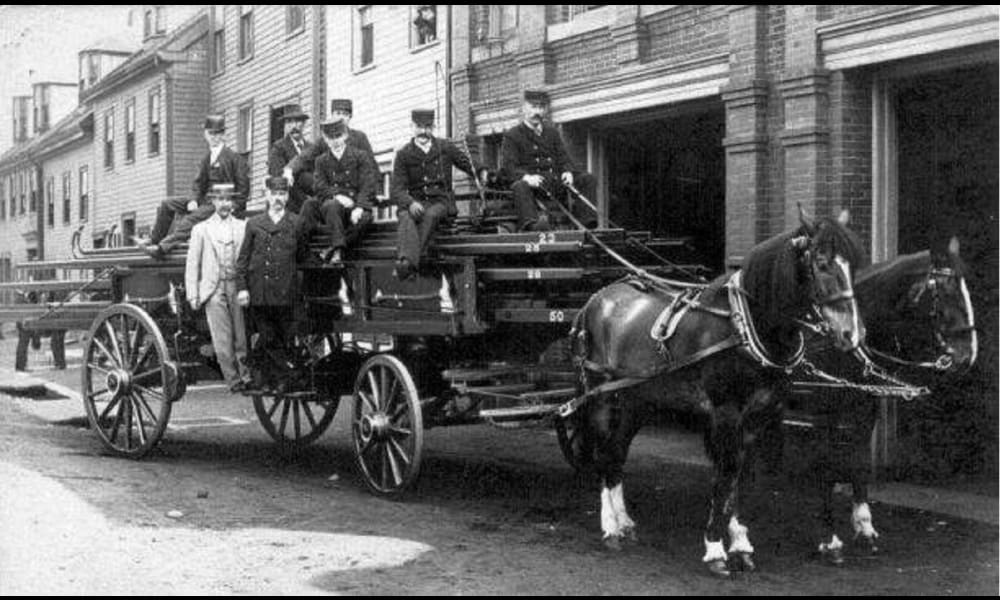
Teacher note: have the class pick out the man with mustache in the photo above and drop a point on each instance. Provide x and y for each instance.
(285, 150)
(533, 159)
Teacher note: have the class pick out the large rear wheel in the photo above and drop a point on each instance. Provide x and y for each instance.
(296, 419)
(387, 425)
(129, 381)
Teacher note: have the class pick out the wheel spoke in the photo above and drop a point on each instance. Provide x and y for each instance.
(145, 404)
(374, 387)
(399, 450)
(114, 342)
(309, 416)
(296, 419)
(383, 381)
(141, 376)
(284, 416)
(140, 362)
(105, 351)
(385, 470)
(96, 367)
(137, 412)
(107, 409)
(159, 397)
(274, 407)
(401, 431)
(138, 351)
(118, 419)
(126, 346)
(366, 399)
(397, 476)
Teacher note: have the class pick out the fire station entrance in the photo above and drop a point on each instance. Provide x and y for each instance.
(665, 170)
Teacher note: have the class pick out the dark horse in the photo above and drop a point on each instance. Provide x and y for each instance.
(920, 327)
(736, 338)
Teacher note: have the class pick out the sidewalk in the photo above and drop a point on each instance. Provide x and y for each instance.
(52, 396)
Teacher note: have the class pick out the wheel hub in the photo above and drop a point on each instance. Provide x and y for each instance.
(374, 426)
(119, 382)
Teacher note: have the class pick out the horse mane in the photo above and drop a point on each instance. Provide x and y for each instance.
(774, 277)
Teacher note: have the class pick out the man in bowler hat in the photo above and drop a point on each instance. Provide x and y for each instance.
(283, 151)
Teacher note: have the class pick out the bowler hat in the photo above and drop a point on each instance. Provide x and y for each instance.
(276, 184)
(215, 123)
(293, 112)
(423, 117)
(334, 128)
(222, 189)
(343, 104)
(536, 96)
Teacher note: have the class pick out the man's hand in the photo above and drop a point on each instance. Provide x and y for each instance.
(357, 214)
(287, 174)
(416, 210)
(533, 180)
(345, 201)
(192, 205)
(243, 298)
(567, 178)
(194, 303)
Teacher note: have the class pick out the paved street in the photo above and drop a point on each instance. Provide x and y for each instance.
(217, 510)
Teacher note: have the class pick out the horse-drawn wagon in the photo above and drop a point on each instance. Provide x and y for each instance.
(476, 337)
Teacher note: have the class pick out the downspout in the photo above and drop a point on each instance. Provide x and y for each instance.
(447, 74)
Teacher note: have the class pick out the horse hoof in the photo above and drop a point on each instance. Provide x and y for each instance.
(834, 557)
(613, 543)
(718, 567)
(742, 561)
(866, 546)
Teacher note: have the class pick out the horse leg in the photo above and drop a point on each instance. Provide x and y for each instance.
(865, 535)
(723, 447)
(832, 549)
(605, 425)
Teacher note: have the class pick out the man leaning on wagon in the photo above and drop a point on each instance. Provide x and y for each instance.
(422, 189)
(210, 280)
(267, 280)
(533, 159)
(220, 166)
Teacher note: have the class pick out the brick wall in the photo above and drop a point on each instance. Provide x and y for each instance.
(686, 32)
(579, 57)
(851, 148)
(279, 72)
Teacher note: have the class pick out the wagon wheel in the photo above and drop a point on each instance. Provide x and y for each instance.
(576, 446)
(129, 381)
(387, 425)
(297, 419)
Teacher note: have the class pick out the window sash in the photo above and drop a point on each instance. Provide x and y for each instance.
(295, 18)
(84, 193)
(67, 198)
(244, 129)
(50, 201)
(246, 34)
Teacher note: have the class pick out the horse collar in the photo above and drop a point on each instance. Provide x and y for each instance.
(743, 322)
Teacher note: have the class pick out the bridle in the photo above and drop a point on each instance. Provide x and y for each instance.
(814, 321)
(933, 282)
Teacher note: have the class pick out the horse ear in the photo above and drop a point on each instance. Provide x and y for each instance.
(953, 246)
(844, 217)
(808, 225)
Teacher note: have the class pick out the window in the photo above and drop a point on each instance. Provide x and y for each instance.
(424, 29)
(154, 122)
(246, 32)
(67, 202)
(32, 192)
(84, 193)
(10, 196)
(295, 18)
(244, 129)
(563, 13)
(50, 201)
(147, 23)
(3, 200)
(366, 36)
(22, 111)
(90, 69)
(109, 139)
(128, 229)
(21, 189)
(218, 51)
(493, 22)
(130, 131)
(160, 20)
(42, 95)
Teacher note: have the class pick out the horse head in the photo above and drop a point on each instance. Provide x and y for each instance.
(943, 296)
(828, 254)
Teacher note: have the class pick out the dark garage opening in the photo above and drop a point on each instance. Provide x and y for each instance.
(948, 169)
(667, 174)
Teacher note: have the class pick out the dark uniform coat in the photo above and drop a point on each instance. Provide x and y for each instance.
(306, 162)
(426, 177)
(524, 152)
(351, 175)
(267, 265)
(229, 167)
(281, 154)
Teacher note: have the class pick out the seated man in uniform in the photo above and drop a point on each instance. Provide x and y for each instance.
(422, 189)
(220, 166)
(533, 158)
(285, 150)
(345, 184)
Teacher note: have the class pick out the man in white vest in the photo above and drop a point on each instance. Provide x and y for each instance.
(210, 280)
